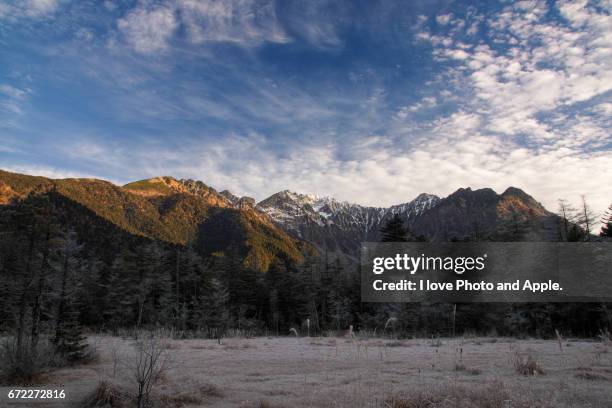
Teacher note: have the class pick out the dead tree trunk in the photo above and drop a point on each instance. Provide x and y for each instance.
(37, 309)
(23, 298)
(59, 323)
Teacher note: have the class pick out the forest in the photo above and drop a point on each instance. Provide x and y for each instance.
(61, 281)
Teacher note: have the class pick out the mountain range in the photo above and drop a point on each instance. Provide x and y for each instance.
(285, 225)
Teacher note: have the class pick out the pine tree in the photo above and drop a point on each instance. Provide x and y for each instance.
(147, 258)
(68, 338)
(394, 230)
(575, 234)
(46, 271)
(606, 221)
(513, 227)
(216, 312)
(122, 289)
(161, 300)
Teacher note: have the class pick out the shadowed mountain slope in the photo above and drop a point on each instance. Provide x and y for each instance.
(178, 212)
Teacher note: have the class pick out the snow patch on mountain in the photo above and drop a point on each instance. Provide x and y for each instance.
(300, 213)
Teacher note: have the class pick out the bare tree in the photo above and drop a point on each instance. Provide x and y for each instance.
(150, 363)
(568, 217)
(586, 218)
(40, 290)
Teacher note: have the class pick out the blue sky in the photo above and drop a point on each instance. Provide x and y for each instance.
(367, 101)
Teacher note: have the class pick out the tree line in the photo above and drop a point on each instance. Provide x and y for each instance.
(58, 281)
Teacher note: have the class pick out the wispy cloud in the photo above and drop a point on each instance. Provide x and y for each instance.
(148, 29)
(28, 9)
(318, 22)
(246, 22)
(540, 66)
(370, 104)
(12, 100)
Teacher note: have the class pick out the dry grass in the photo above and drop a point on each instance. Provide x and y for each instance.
(397, 343)
(201, 394)
(110, 395)
(587, 373)
(268, 404)
(306, 372)
(527, 365)
(172, 345)
(494, 395)
(237, 346)
(107, 394)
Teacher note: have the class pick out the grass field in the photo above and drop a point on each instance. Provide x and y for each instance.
(347, 372)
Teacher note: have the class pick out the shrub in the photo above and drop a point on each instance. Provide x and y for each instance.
(148, 366)
(24, 364)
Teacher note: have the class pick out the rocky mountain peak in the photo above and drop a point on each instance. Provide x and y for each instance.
(245, 202)
(515, 200)
(230, 197)
(336, 225)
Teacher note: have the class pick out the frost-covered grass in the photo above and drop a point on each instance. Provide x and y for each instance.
(353, 372)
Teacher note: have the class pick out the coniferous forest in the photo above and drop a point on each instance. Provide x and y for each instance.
(62, 275)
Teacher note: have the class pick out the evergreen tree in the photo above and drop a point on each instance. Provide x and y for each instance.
(394, 230)
(339, 303)
(68, 338)
(215, 309)
(513, 227)
(161, 300)
(576, 234)
(606, 221)
(122, 289)
(242, 284)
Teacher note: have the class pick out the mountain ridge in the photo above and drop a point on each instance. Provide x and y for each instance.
(167, 210)
(176, 210)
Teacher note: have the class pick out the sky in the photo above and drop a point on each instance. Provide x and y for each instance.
(372, 102)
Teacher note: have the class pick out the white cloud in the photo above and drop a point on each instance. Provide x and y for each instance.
(13, 92)
(457, 54)
(444, 19)
(377, 173)
(238, 21)
(604, 109)
(425, 103)
(12, 100)
(150, 27)
(148, 30)
(536, 66)
(34, 9)
(512, 128)
(318, 22)
(532, 110)
(44, 171)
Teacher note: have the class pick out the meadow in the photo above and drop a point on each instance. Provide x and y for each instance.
(348, 371)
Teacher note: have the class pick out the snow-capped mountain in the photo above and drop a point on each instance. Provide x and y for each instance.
(339, 227)
(336, 226)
